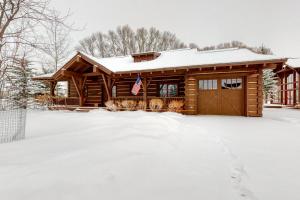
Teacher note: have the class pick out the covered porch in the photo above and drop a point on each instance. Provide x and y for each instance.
(288, 92)
(91, 85)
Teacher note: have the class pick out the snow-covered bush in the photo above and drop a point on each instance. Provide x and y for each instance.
(111, 106)
(156, 104)
(142, 105)
(129, 104)
(176, 106)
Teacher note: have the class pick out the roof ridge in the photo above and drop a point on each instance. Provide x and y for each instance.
(124, 56)
(221, 50)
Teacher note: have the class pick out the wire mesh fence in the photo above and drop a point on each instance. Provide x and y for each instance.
(12, 120)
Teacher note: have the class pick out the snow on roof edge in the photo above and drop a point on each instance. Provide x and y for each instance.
(293, 62)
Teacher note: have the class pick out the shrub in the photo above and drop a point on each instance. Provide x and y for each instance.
(129, 104)
(156, 104)
(142, 105)
(111, 106)
(118, 104)
(44, 100)
(176, 106)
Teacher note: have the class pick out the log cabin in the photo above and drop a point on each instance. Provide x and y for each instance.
(215, 82)
(288, 92)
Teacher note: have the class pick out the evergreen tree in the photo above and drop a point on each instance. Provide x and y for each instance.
(22, 87)
(269, 84)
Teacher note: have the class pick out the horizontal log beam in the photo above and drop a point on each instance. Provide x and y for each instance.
(70, 73)
(92, 74)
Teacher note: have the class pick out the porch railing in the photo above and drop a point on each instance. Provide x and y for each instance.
(66, 101)
(48, 100)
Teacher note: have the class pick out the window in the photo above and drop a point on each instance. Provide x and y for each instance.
(168, 90)
(233, 83)
(208, 84)
(114, 91)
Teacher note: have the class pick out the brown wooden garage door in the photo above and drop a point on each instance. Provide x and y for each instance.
(221, 96)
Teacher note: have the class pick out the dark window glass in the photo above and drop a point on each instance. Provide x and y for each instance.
(114, 91)
(168, 90)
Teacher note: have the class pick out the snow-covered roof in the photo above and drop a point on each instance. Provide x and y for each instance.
(177, 59)
(293, 62)
(183, 58)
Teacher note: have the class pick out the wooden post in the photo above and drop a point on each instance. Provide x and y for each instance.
(106, 87)
(260, 92)
(298, 87)
(294, 88)
(281, 90)
(109, 85)
(52, 88)
(285, 90)
(246, 96)
(78, 88)
(144, 89)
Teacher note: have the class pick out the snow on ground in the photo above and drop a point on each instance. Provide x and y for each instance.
(138, 155)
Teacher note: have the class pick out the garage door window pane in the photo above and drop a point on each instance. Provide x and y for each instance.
(201, 84)
(205, 85)
(239, 83)
(234, 83)
(215, 84)
(208, 84)
(224, 84)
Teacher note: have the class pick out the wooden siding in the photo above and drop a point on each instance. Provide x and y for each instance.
(94, 91)
(254, 94)
(191, 95)
(71, 89)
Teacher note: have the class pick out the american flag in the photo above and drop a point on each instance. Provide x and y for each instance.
(137, 86)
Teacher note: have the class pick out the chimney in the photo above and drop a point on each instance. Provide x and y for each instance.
(141, 57)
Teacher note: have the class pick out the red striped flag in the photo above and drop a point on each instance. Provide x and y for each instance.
(137, 86)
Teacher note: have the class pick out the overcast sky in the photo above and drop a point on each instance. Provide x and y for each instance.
(274, 23)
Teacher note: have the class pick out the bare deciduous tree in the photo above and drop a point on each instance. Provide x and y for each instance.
(56, 42)
(125, 41)
(22, 23)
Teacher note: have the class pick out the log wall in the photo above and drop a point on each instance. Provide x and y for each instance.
(254, 95)
(124, 86)
(191, 94)
(94, 91)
